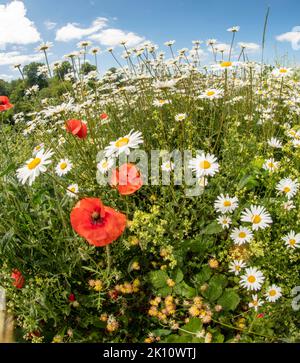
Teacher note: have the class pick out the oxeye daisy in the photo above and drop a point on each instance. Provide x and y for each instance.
(275, 143)
(258, 216)
(204, 165)
(34, 167)
(292, 240)
(38, 148)
(271, 165)
(288, 187)
(225, 204)
(252, 279)
(105, 165)
(160, 103)
(180, 117)
(124, 144)
(241, 235)
(224, 221)
(167, 166)
(211, 93)
(63, 167)
(281, 72)
(255, 303)
(273, 293)
(236, 266)
(72, 190)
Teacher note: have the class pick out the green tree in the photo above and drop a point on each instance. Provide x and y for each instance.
(32, 77)
(62, 70)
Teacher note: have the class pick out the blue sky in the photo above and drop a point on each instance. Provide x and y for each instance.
(24, 24)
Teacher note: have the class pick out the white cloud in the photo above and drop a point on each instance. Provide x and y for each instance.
(112, 37)
(292, 37)
(6, 77)
(11, 58)
(50, 24)
(250, 47)
(15, 27)
(72, 31)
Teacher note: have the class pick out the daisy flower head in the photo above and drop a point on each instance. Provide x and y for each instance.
(34, 167)
(236, 266)
(161, 103)
(72, 190)
(292, 240)
(124, 144)
(258, 216)
(241, 235)
(224, 221)
(255, 303)
(63, 167)
(38, 148)
(273, 293)
(105, 165)
(271, 165)
(234, 29)
(204, 165)
(211, 94)
(252, 279)
(288, 187)
(275, 143)
(180, 117)
(167, 166)
(281, 72)
(225, 204)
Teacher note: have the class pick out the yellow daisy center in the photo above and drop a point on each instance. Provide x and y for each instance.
(227, 203)
(226, 64)
(104, 164)
(251, 279)
(242, 235)
(255, 302)
(256, 219)
(292, 242)
(237, 268)
(272, 292)
(210, 93)
(271, 165)
(122, 142)
(283, 70)
(34, 163)
(205, 164)
(287, 189)
(63, 166)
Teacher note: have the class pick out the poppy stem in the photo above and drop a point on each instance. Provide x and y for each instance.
(108, 258)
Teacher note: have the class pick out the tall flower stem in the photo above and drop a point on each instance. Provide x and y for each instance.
(47, 62)
(108, 258)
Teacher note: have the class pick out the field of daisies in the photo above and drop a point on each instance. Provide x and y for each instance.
(130, 260)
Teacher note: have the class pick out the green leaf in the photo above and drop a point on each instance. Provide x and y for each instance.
(158, 279)
(177, 276)
(219, 280)
(173, 338)
(164, 291)
(212, 228)
(247, 181)
(213, 292)
(193, 326)
(229, 300)
(183, 289)
(8, 169)
(203, 275)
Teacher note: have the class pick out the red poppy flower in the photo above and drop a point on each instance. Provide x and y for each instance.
(127, 179)
(98, 224)
(104, 116)
(71, 297)
(5, 104)
(77, 128)
(261, 315)
(19, 279)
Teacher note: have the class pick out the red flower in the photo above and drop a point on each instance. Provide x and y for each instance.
(127, 179)
(98, 224)
(5, 104)
(261, 315)
(72, 298)
(19, 279)
(113, 294)
(104, 116)
(77, 128)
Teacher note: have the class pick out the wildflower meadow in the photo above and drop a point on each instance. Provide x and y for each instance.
(157, 201)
